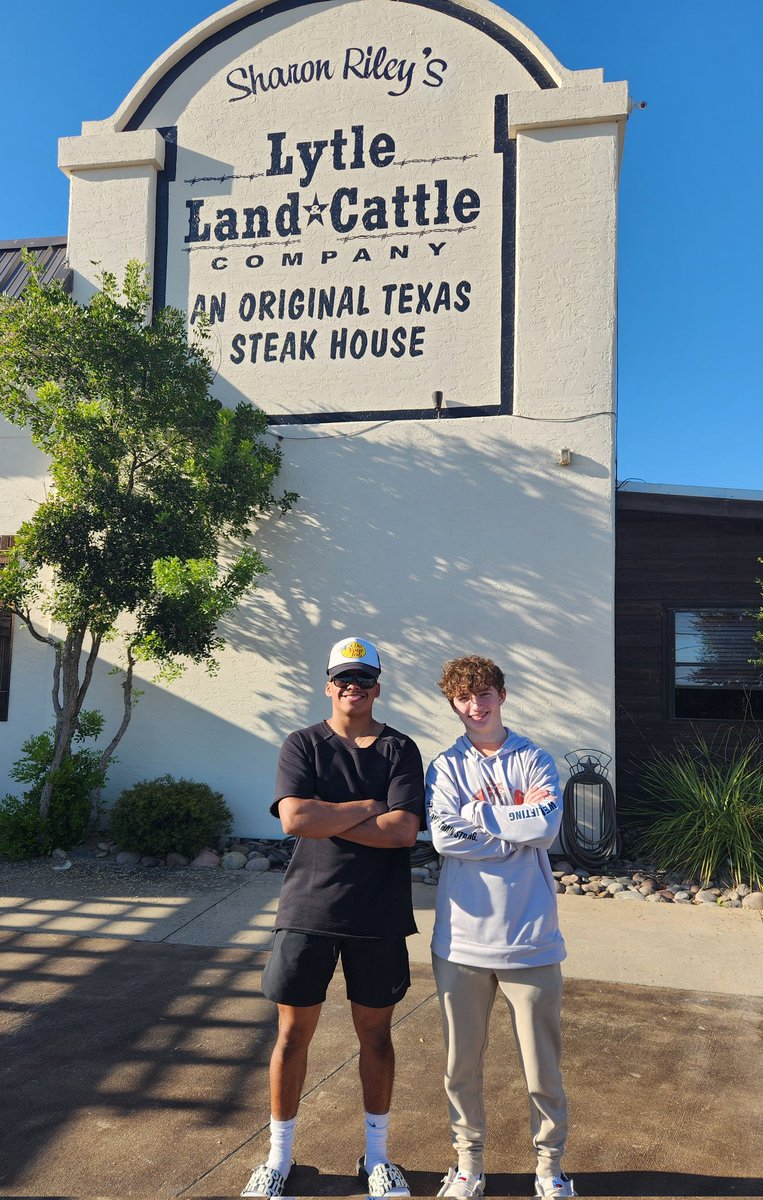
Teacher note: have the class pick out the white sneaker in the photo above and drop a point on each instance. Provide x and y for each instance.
(462, 1185)
(554, 1187)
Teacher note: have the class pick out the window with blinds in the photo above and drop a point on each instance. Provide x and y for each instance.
(6, 636)
(714, 673)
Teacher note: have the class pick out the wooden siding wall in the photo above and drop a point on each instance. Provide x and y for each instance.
(673, 552)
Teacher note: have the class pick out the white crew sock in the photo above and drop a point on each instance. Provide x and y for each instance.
(281, 1142)
(377, 1125)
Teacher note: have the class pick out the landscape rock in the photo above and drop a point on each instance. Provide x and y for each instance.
(127, 858)
(753, 900)
(258, 862)
(705, 896)
(174, 859)
(625, 894)
(233, 860)
(206, 858)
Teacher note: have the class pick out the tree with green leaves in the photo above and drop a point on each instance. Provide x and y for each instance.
(155, 488)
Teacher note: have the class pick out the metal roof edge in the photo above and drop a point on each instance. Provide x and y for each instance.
(678, 489)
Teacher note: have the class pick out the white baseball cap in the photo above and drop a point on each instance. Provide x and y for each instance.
(353, 652)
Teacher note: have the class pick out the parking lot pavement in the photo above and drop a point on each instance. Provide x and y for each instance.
(139, 1069)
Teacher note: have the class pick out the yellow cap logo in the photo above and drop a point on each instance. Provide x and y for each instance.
(353, 650)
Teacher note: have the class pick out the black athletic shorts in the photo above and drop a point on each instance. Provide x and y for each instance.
(301, 965)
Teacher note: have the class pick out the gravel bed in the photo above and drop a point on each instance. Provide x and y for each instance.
(101, 869)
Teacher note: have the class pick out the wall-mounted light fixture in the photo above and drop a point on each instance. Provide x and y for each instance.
(564, 457)
(437, 399)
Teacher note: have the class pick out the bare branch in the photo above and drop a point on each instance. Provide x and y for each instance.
(127, 690)
(133, 468)
(89, 666)
(24, 616)
(57, 706)
(151, 458)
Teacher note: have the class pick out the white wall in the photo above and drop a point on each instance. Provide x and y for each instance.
(432, 538)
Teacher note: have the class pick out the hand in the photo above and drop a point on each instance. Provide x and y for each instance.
(536, 795)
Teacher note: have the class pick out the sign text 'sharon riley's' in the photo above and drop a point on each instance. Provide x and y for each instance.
(369, 63)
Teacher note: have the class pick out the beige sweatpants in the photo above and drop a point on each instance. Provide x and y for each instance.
(534, 999)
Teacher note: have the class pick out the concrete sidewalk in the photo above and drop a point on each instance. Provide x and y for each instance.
(700, 948)
(136, 1047)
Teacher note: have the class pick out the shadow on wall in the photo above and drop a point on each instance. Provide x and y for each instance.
(168, 734)
(436, 548)
(432, 546)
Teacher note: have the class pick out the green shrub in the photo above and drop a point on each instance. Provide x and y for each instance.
(704, 814)
(165, 814)
(19, 828)
(22, 833)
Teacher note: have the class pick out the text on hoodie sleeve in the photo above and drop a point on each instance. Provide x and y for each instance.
(524, 824)
(452, 832)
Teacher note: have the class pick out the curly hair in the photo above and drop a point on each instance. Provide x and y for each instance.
(470, 674)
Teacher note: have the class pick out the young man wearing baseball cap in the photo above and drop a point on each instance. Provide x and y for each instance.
(351, 790)
(494, 808)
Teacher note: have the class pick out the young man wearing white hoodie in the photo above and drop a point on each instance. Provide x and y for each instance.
(494, 807)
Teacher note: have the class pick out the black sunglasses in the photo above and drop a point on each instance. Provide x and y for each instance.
(348, 677)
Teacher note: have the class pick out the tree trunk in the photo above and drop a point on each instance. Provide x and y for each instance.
(65, 689)
(67, 702)
(106, 757)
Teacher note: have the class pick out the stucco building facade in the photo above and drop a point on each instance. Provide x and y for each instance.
(400, 220)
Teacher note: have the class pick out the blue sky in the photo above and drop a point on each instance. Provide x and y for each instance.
(690, 258)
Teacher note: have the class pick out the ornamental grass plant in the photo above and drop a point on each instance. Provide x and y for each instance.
(704, 812)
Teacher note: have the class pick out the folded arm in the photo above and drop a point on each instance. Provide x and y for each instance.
(534, 823)
(453, 833)
(315, 818)
(390, 829)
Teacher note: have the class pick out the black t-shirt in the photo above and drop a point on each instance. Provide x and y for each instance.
(334, 886)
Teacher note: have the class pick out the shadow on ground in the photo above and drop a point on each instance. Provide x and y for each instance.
(139, 1069)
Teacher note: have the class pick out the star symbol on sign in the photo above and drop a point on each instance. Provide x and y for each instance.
(314, 210)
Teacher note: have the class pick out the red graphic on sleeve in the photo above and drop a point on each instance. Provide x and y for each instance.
(493, 793)
(518, 796)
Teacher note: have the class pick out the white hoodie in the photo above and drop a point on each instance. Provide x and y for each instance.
(496, 899)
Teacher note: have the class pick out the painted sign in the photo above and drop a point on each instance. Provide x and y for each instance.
(337, 207)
